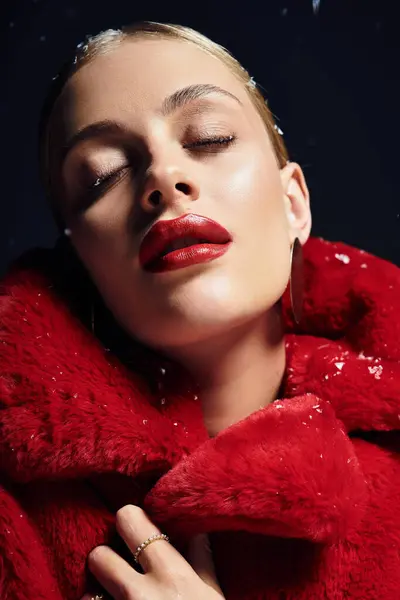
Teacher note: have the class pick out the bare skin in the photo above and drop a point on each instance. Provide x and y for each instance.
(168, 576)
(220, 319)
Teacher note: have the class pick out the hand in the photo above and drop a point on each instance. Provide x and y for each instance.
(167, 575)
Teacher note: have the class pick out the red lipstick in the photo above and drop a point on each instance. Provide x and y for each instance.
(182, 242)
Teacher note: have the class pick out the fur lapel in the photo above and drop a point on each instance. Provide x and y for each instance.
(70, 409)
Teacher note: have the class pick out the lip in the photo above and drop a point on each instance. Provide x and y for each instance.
(164, 232)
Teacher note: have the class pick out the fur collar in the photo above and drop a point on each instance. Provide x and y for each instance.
(71, 409)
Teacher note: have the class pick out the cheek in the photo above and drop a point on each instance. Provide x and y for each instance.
(252, 185)
(101, 235)
(256, 213)
(254, 201)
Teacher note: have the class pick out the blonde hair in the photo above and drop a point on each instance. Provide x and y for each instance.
(111, 38)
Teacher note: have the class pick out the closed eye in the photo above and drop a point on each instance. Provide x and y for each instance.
(210, 142)
(108, 179)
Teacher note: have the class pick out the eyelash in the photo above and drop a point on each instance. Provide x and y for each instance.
(114, 176)
(212, 141)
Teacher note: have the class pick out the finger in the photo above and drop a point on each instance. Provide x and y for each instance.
(200, 558)
(135, 527)
(114, 573)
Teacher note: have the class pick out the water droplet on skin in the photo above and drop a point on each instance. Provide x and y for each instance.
(175, 424)
(339, 365)
(326, 376)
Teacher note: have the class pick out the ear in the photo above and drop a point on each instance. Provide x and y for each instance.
(297, 202)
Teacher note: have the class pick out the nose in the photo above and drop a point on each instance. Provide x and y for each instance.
(167, 186)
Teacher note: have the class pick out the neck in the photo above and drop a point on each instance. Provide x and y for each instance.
(238, 373)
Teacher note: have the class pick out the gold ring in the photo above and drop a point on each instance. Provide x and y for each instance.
(150, 540)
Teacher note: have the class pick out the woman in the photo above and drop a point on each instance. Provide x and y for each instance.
(157, 375)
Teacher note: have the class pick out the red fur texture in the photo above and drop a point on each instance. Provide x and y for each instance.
(301, 499)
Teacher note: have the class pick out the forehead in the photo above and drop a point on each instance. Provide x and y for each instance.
(136, 76)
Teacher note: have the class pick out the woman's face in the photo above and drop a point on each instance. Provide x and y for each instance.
(148, 147)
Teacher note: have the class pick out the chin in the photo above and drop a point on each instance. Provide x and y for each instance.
(202, 309)
(205, 324)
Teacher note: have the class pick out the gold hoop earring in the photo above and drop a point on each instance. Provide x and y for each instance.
(296, 281)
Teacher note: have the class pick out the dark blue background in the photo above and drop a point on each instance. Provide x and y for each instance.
(332, 78)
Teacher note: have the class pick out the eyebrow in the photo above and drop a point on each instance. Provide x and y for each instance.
(190, 93)
(171, 103)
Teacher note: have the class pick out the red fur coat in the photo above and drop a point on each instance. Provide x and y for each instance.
(301, 499)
